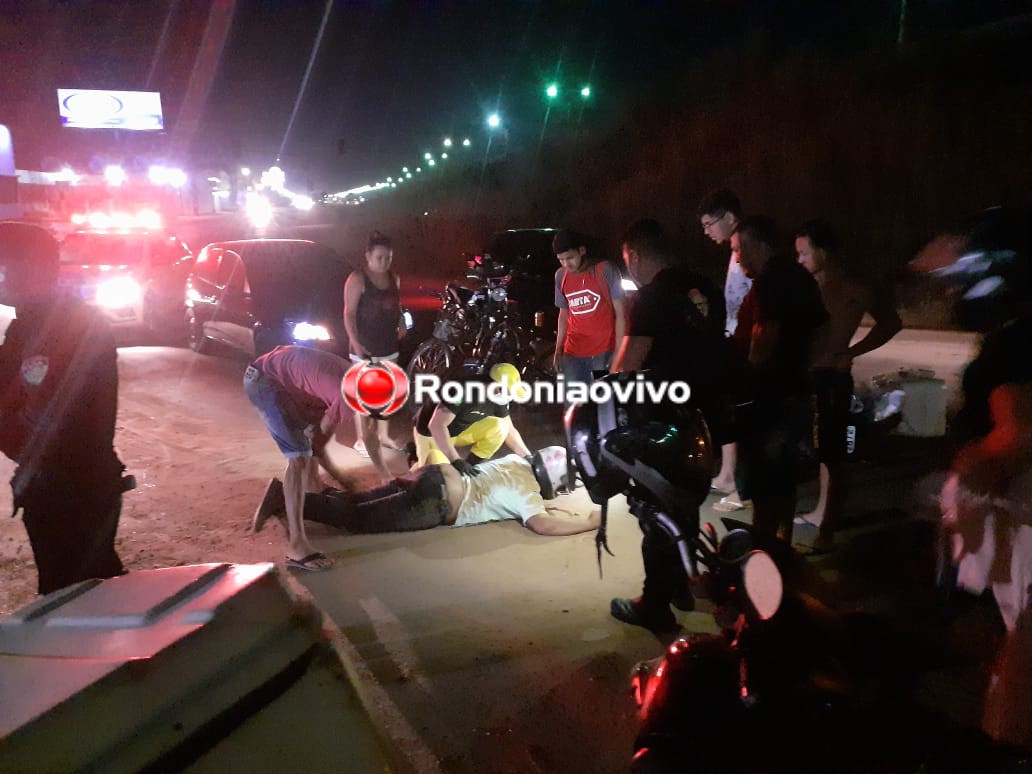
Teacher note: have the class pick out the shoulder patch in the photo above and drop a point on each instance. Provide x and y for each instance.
(34, 369)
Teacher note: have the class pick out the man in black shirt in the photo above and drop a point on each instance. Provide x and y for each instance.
(778, 326)
(484, 426)
(676, 332)
(58, 401)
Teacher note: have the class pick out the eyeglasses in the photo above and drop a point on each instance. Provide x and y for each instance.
(707, 224)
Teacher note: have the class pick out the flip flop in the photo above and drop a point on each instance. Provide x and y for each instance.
(730, 505)
(721, 490)
(308, 563)
(802, 521)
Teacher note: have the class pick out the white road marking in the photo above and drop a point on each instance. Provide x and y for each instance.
(390, 632)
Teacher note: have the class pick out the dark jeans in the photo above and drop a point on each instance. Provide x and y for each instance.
(72, 531)
(664, 572)
(417, 500)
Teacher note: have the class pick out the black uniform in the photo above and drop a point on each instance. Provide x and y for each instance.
(58, 401)
(684, 315)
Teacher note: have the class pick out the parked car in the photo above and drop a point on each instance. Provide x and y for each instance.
(255, 294)
(135, 276)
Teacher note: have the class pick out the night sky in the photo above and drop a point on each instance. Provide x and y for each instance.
(391, 79)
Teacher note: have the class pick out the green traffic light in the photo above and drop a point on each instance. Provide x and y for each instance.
(552, 91)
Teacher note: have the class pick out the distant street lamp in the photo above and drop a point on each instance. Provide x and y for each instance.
(444, 155)
(494, 120)
(245, 171)
(431, 163)
(428, 156)
(585, 92)
(466, 143)
(447, 142)
(552, 91)
(114, 175)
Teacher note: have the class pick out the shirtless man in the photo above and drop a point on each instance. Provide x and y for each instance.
(847, 300)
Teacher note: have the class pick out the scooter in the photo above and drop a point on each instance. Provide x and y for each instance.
(788, 684)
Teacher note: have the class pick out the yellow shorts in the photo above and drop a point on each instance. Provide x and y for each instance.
(484, 437)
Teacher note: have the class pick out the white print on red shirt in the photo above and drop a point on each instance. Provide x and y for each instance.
(583, 301)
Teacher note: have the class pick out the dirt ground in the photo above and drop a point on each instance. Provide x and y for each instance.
(199, 468)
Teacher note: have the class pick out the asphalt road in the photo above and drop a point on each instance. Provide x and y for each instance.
(490, 645)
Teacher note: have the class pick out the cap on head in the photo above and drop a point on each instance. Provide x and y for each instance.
(566, 239)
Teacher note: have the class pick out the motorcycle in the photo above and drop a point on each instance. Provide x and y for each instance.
(479, 327)
(785, 665)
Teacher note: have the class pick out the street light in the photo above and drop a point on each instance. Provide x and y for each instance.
(585, 92)
(404, 169)
(428, 156)
(114, 175)
(494, 120)
(466, 143)
(408, 175)
(447, 142)
(245, 171)
(552, 91)
(431, 163)
(444, 155)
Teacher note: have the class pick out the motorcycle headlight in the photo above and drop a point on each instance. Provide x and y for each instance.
(119, 292)
(305, 331)
(499, 295)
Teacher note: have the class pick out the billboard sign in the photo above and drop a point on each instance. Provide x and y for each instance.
(101, 109)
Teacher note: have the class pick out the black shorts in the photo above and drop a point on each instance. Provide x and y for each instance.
(833, 393)
(769, 441)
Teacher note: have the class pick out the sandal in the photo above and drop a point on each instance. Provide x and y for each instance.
(730, 504)
(308, 563)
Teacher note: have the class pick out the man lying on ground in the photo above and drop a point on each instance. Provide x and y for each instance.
(511, 487)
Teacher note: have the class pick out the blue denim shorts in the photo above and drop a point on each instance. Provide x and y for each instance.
(286, 430)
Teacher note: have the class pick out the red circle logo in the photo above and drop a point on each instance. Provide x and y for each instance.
(375, 388)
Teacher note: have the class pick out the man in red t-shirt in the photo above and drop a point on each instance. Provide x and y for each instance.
(591, 310)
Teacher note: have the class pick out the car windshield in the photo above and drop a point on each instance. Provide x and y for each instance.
(113, 248)
(294, 279)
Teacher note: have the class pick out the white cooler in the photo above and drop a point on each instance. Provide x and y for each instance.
(207, 668)
(924, 404)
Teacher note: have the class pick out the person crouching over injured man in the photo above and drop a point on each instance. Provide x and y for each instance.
(511, 487)
(483, 426)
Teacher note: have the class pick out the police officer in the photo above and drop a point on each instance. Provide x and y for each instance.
(58, 401)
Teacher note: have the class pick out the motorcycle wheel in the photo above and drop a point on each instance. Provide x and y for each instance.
(433, 356)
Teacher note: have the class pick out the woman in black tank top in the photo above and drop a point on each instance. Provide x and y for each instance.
(372, 317)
